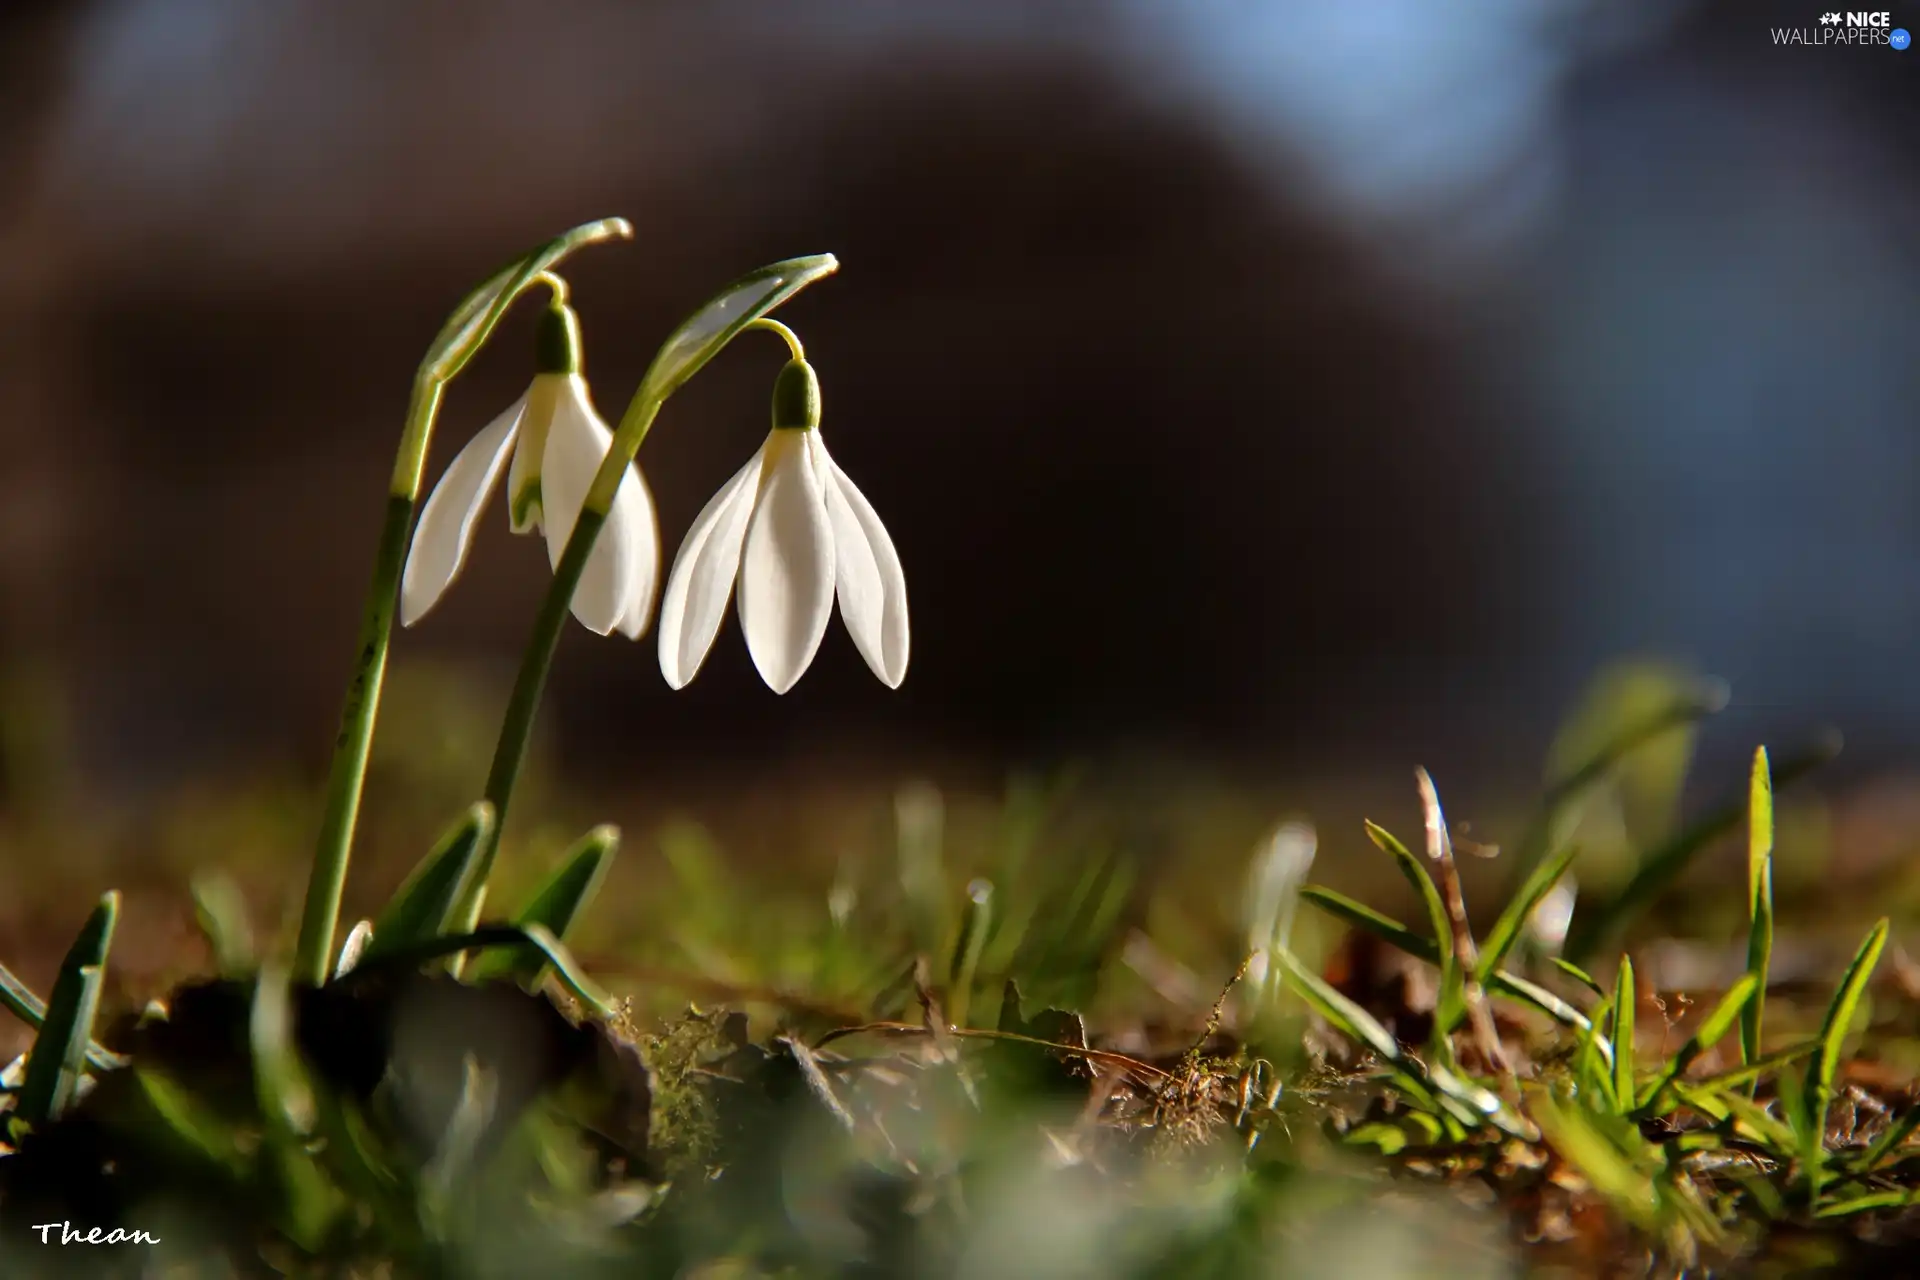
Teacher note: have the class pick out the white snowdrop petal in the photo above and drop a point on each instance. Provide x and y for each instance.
(633, 509)
(786, 566)
(445, 530)
(871, 586)
(698, 588)
(577, 442)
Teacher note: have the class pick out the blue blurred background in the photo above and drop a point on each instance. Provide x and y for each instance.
(1302, 389)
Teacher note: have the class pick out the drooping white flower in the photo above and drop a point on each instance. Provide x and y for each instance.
(791, 533)
(556, 441)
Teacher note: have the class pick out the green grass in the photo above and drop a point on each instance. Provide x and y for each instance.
(998, 1044)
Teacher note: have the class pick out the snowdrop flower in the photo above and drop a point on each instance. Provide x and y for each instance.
(556, 441)
(793, 532)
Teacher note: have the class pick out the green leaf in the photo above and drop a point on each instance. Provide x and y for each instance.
(486, 938)
(221, 912)
(474, 319)
(1395, 934)
(1451, 1001)
(1625, 999)
(1715, 1025)
(1759, 900)
(1663, 866)
(1579, 975)
(1506, 930)
(308, 1201)
(702, 334)
(194, 1125)
(20, 1001)
(422, 906)
(1833, 1033)
(555, 905)
(1606, 1168)
(59, 1054)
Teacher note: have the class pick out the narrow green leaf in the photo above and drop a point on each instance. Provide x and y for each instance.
(1759, 900)
(1392, 932)
(474, 319)
(485, 938)
(1361, 916)
(308, 1201)
(1833, 1034)
(20, 1001)
(1715, 1025)
(702, 334)
(221, 912)
(556, 904)
(1606, 1168)
(59, 1054)
(1579, 975)
(1866, 1203)
(422, 905)
(1506, 930)
(194, 1125)
(1625, 998)
(1765, 1127)
(1452, 1000)
(1890, 1140)
(1658, 871)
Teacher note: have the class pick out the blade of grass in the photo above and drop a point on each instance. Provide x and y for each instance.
(556, 904)
(59, 1055)
(20, 1001)
(1625, 998)
(1663, 866)
(221, 912)
(1506, 930)
(485, 938)
(1578, 974)
(1889, 1140)
(1450, 1000)
(1605, 1167)
(1716, 1024)
(424, 903)
(1759, 900)
(1395, 934)
(1833, 1034)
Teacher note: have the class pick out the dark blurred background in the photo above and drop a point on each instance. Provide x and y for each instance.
(1301, 390)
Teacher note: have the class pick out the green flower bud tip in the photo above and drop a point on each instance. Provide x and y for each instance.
(556, 344)
(796, 398)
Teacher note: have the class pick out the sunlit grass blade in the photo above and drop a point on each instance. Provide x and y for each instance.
(1606, 1168)
(191, 1122)
(1833, 1033)
(1392, 932)
(556, 904)
(1355, 1023)
(422, 906)
(59, 1055)
(1579, 975)
(1451, 1002)
(1890, 1140)
(1732, 1107)
(1625, 998)
(1715, 1025)
(22, 1003)
(1750, 1071)
(1507, 929)
(1661, 868)
(220, 910)
(1759, 900)
(1867, 1203)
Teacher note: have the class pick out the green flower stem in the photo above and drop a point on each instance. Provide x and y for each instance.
(465, 332)
(328, 878)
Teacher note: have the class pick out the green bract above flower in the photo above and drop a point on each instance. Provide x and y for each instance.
(556, 441)
(794, 532)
